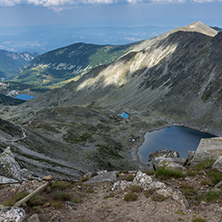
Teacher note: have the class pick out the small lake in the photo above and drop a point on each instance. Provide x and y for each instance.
(24, 97)
(177, 138)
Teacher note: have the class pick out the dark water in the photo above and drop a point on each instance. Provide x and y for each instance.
(24, 97)
(173, 138)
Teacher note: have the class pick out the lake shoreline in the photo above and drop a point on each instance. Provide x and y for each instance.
(191, 135)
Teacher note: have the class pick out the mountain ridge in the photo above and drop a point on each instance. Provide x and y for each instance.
(12, 62)
(60, 66)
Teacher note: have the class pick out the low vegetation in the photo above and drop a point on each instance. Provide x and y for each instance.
(206, 164)
(16, 198)
(130, 197)
(198, 219)
(164, 173)
(62, 196)
(136, 188)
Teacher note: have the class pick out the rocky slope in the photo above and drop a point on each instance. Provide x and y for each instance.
(11, 62)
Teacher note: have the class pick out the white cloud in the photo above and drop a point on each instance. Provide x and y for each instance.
(203, 1)
(58, 5)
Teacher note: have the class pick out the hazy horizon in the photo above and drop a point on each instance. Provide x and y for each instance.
(36, 25)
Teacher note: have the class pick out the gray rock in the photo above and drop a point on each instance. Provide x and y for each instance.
(218, 164)
(25, 174)
(164, 153)
(55, 218)
(10, 171)
(8, 166)
(207, 149)
(172, 163)
(7, 180)
(15, 214)
(121, 185)
(106, 176)
(34, 218)
(147, 183)
(190, 155)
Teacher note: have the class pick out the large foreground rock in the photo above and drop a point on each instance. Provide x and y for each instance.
(9, 214)
(9, 167)
(103, 177)
(147, 183)
(207, 149)
(172, 163)
(218, 164)
(164, 153)
(10, 170)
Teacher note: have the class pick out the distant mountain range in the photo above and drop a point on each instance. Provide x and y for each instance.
(217, 29)
(49, 37)
(11, 62)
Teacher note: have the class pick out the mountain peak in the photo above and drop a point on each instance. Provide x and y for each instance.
(201, 28)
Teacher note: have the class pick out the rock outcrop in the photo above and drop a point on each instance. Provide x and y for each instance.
(15, 214)
(172, 163)
(207, 149)
(105, 176)
(164, 153)
(147, 183)
(10, 170)
(9, 167)
(218, 164)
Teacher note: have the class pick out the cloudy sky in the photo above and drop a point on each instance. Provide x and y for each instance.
(101, 13)
(110, 12)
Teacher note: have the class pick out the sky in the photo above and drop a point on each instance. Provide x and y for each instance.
(29, 15)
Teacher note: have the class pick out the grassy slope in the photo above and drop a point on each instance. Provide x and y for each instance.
(59, 66)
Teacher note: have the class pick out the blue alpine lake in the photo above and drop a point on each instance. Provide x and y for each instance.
(177, 138)
(24, 97)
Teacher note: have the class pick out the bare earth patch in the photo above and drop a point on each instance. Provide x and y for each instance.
(79, 202)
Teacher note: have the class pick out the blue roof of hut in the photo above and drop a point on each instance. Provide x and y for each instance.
(124, 115)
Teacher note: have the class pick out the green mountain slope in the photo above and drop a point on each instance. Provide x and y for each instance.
(65, 64)
(11, 63)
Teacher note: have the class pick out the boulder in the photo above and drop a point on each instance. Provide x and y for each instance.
(10, 170)
(7, 180)
(190, 155)
(106, 176)
(121, 185)
(15, 214)
(172, 163)
(9, 167)
(207, 149)
(164, 153)
(147, 183)
(34, 218)
(218, 164)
